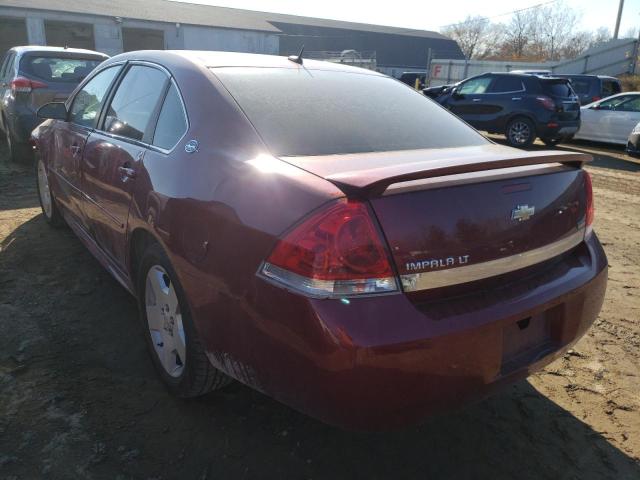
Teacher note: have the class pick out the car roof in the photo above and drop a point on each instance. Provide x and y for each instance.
(215, 59)
(585, 75)
(41, 48)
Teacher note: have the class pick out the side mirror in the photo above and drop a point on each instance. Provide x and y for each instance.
(53, 110)
(456, 94)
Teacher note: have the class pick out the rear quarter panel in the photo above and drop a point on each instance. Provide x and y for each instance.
(218, 213)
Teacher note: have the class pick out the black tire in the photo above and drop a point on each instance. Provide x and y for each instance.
(17, 152)
(198, 376)
(52, 215)
(520, 132)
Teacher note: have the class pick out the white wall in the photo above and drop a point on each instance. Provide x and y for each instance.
(209, 38)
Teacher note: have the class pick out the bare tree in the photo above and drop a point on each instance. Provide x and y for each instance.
(556, 28)
(477, 36)
(518, 34)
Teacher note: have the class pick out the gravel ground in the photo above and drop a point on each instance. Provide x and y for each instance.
(79, 397)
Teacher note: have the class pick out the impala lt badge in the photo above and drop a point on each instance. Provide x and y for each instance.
(522, 213)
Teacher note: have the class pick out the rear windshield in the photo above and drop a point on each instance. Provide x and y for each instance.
(557, 88)
(54, 69)
(312, 112)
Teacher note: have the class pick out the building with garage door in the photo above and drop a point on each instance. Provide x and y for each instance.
(115, 26)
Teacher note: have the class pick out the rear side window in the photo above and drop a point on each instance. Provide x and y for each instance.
(58, 70)
(557, 89)
(7, 66)
(632, 105)
(503, 84)
(135, 101)
(88, 101)
(610, 87)
(172, 123)
(316, 112)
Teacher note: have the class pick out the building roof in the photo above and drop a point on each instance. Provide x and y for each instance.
(204, 15)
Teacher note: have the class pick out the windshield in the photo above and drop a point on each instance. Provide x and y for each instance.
(312, 112)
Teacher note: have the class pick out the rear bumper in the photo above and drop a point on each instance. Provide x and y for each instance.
(557, 129)
(386, 361)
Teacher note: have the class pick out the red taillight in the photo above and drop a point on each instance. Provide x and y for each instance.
(24, 85)
(337, 251)
(589, 194)
(546, 102)
(595, 99)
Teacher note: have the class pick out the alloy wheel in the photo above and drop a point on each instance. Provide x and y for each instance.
(519, 133)
(164, 320)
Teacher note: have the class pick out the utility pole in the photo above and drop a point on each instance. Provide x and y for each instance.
(617, 30)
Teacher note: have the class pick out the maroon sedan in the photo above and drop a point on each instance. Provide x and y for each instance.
(321, 233)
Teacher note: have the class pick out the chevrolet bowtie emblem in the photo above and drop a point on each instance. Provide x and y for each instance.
(522, 213)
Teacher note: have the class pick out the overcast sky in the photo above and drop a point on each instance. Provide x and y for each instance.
(431, 15)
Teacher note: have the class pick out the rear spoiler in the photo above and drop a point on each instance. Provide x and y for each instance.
(368, 182)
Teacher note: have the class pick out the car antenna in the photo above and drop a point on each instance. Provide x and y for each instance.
(297, 58)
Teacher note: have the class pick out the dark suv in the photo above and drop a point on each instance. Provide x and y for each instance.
(591, 88)
(520, 106)
(31, 77)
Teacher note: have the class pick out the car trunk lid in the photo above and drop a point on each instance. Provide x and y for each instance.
(491, 208)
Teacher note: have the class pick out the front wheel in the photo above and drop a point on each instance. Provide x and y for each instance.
(172, 340)
(520, 132)
(47, 202)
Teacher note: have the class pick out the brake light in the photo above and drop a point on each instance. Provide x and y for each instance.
(546, 102)
(336, 252)
(595, 99)
(24, 85)
(588, 187)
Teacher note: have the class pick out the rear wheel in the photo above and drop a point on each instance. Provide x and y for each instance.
(47, 202)
(174, 345)
(520, 132)
(18, 153)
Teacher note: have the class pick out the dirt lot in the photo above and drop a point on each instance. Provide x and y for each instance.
(79, 397)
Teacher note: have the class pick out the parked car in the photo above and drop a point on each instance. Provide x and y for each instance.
(337, 241)
(410, 79)
(520, 106)
(610, 120)
(591, 88)
(633, 142)
(32, 76)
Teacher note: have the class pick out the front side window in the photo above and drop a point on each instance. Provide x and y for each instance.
(135, 101)
(475, 86)
(171, 123)
(88, 101)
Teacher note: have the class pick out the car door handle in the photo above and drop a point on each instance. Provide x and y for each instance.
(516, 98)
(477, 100)
(75, 150)
(126, 172)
